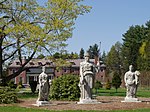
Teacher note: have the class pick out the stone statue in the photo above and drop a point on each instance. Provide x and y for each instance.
(87, 76)
(131, 79)
(43, 86)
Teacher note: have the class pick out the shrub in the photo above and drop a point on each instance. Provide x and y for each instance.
(33, 85)
(65, 88)
(7, 95)
(20, 85)
(116, 81)
(11, 84)
(108, 85)
(98, 85)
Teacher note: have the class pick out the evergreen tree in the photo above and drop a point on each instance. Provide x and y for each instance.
(116, 80)
(81, 53)
(93, 51)
(113, 60)
(132, 40)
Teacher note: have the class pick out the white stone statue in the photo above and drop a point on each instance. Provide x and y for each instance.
(131, 79)
(87, 76)
(43, 86)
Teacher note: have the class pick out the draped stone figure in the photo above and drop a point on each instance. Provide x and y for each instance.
(131, 79)
(43, 87)
(87, 76)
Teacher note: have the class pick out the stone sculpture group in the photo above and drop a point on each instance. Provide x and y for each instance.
(87, 75)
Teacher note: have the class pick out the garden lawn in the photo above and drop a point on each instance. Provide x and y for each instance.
(122, 92)
(22, 109)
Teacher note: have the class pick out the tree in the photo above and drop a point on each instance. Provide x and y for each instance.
(103, 57)
(116, 80)
(41, 56)
(81, 55)
(97, 85)
(27, 28)
(132, 41)
(108, 84)
(113, 60)
(93, 51)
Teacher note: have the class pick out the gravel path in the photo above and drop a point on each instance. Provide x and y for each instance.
(108, 103)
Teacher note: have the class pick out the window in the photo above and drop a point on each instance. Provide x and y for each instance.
(39, 63)
(48, 63)
(65, 70)
(31, 63)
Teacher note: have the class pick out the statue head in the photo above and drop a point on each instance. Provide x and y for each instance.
(131, 68)
(86, 56)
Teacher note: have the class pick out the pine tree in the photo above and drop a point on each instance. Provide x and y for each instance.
(116, 81)
(81, 53)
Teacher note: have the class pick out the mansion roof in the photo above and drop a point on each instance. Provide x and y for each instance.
(48, 63)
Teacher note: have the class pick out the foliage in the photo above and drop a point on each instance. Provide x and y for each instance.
(33, 85)
(81, 55)
(93, 51)
(113, 60)
(65, 87)
(98, 85)
(12, 84)
(116, 80)
(132, 40)
(103, 57)
(108, 84)
(144, 57)
(20, 85)
(7, 95)
(27, 28)
(65, 55)
(41, 56)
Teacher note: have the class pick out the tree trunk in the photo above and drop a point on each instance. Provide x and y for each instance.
(1, 67)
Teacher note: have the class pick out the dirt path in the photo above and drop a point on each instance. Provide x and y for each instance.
(108, 103)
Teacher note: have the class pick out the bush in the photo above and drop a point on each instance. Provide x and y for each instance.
(33, 85)
(65, 88)
(108, 85)
(20, 85)
(98, 85)
(7, 95)
(12, 84)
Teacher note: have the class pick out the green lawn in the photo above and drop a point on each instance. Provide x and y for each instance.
(122, 92)
(22, 109)
(101, 92)
(26, 95)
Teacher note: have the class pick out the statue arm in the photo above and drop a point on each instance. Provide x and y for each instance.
(81, 74)
(125, 79)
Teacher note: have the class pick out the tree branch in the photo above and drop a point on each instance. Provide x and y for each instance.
(22, 68)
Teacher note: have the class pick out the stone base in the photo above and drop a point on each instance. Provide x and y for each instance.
(88, 101)
(131, 100)
(42, 103)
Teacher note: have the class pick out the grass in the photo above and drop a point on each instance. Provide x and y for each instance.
(23, 109)
(122, 92)
(101, 92)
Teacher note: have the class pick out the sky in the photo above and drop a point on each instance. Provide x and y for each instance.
(107, 22)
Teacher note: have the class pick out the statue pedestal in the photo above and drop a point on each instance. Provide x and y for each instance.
(88, 101)
(42, 103)
(128, 99)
